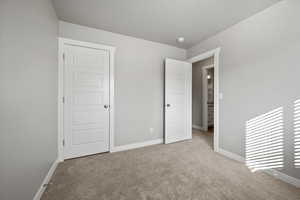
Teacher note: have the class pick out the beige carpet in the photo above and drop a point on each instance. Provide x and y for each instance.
(181, 171)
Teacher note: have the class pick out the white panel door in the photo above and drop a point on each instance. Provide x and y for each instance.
(178, 92)
(86, 110)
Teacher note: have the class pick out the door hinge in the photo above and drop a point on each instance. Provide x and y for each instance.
(63, 99)
(63, 142)
(64, 56)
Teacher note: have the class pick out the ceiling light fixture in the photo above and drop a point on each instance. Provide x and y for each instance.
(180, 39)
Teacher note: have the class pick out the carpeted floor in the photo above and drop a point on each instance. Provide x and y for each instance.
(188, 170)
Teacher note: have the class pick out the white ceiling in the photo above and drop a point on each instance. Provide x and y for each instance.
(160, 20)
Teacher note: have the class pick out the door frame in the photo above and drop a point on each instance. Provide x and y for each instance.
(205, 97)
(216, 54)
(61, 43)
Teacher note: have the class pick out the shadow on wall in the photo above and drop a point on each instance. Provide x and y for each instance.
(265, 140)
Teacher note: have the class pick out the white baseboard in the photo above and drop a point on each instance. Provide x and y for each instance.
(277, 174)
(231, 155)
(46, 180)
(198, 127)
(137, 145)
(286, 178)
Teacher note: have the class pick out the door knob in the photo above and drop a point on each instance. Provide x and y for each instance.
(168, 105)
(106, 106)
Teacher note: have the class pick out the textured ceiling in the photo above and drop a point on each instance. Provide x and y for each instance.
(160, 20)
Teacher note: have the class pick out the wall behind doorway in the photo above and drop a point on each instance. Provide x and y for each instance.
(210, 97)
(197, 91)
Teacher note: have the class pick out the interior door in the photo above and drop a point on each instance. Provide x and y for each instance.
(86, 110)
(178, 93)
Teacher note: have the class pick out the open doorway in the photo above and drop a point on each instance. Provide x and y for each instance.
(178, 119)
(206, 96)
(203, 99)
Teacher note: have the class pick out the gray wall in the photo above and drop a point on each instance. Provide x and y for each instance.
(138, 81)
(28, 103)
(197, 91)
(259, 71)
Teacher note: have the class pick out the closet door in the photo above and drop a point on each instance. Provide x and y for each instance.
(86, 109)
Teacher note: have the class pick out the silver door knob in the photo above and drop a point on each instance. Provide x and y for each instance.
(168, 105)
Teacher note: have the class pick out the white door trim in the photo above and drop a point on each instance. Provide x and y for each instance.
(216, 54)
(205, 97)
(61, 43)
